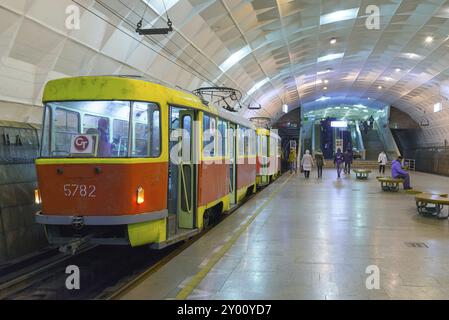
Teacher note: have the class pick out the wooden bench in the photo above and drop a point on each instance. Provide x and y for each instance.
(361, 174)
(390, 184)
(432, 204)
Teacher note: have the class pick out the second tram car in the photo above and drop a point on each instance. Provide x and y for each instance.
(269, 156)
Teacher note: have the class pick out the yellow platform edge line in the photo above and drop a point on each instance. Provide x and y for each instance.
(197, 278)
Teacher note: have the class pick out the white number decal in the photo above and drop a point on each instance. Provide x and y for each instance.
(82, 190)
(92, 190)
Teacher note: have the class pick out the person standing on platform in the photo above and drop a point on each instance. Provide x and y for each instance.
(338, 160)
(348, 161)
(398, 173)
(307, 163)
(292, 160)
(382, 160)
(319, 161)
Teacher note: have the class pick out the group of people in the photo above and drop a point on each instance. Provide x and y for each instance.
(367, 124)
(307, 162)
(346, 159)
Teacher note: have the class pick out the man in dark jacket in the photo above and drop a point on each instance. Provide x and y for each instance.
(348, 161)
(319, 161)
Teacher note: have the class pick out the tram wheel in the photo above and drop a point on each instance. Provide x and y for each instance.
(206, 219)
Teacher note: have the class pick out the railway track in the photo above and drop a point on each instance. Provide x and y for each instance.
(106, 272)
(126, 285)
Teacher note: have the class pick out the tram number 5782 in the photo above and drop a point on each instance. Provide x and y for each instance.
(80, 190)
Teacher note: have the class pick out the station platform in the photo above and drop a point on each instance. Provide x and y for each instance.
(314, 239)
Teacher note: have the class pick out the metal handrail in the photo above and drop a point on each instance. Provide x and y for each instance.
(410, 163)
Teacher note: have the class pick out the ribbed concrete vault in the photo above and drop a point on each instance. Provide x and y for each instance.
(275, 52)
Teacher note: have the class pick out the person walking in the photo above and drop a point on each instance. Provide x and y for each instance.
(371, 122)
(319, 161)
(307, 163)
(348, 160)
(382, 160)
(292, 160)
(338, 160)
(398, 173)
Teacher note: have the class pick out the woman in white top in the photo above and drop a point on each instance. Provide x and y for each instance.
(307, 162)
(382, 160)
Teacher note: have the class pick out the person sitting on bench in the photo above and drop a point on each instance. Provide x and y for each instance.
(398, 173)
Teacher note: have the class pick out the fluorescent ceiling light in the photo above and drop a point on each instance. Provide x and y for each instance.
(325, 71)
(437, 107)
(285, 108)
(361, 106)
(257, 86)
(411, 55)
(329, 57)
(322, 99)
(429, 39)
(234, 58)
(340, 15)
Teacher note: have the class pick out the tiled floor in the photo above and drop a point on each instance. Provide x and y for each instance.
(314, 239)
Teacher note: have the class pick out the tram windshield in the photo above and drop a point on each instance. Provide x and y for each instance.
(101, 129)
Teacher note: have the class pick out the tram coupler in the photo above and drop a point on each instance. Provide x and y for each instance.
(73, 245)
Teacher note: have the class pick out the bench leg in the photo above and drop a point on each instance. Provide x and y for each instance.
(440, 214)
(424, 208)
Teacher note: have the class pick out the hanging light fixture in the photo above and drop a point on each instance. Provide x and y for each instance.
(424, 121)
(154, 31)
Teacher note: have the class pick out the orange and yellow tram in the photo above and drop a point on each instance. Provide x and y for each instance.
(127, 161)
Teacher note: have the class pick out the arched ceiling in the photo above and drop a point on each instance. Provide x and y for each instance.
(278, 51)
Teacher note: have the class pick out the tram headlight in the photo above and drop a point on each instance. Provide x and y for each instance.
(140, 195)
(37, 197)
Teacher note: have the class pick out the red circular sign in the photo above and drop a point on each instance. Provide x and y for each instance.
(81, 143)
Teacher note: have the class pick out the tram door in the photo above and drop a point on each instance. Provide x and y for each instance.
(232, 164)
(186, 171)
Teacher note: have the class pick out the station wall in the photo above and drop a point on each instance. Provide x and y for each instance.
(19, 234)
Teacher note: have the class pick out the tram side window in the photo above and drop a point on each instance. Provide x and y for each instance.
(241, 149)
(241, 142)
(264, 146)
(252, 142)
(66, 123)
(246, 141)
(147, 135)
(208, 136)
(222, 129)
(120, 130)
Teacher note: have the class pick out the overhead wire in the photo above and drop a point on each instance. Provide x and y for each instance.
(189, 70)
(198, 64)
(168, 51)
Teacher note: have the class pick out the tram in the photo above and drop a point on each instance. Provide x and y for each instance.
(131, 162)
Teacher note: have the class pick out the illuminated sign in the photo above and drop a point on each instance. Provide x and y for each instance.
(339, 124)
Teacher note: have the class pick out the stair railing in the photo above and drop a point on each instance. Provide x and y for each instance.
(360, 140)
(387, 139)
